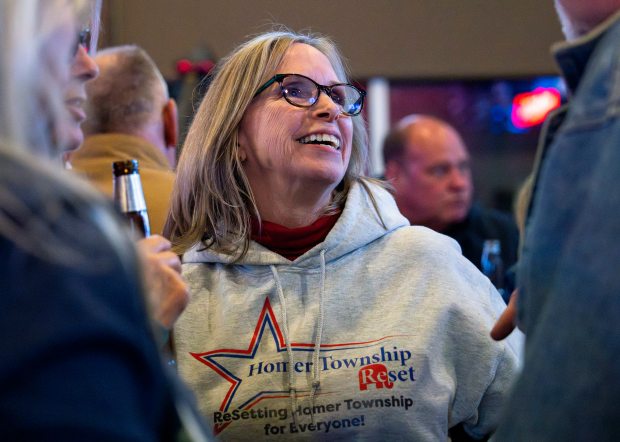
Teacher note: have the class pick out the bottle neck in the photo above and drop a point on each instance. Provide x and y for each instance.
(128, 194)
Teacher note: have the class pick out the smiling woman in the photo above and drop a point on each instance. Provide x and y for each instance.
(240, 124)
(281, 149)
(310, 289)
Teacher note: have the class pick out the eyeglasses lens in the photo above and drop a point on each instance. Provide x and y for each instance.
(348, 98)
(299, 90)
(303, 92)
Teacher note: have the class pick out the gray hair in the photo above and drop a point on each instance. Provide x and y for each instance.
(31, 111)
(30, 103)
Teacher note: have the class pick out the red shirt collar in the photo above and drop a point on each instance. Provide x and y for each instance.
(292, 243)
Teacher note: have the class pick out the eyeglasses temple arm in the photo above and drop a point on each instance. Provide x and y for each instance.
(266, 85)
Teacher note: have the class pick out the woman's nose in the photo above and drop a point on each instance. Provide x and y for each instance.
(326, 108)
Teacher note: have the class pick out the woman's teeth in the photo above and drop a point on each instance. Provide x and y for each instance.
(326, 139)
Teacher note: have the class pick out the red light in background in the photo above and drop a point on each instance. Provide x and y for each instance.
(530, 108)
(184, 66)
(202, 67)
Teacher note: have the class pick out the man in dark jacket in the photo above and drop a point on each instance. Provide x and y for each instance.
(428, 164)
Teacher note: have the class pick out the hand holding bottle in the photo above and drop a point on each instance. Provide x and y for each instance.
(167, 291)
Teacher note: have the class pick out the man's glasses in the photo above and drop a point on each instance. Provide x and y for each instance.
(83, 39)
(302, 91)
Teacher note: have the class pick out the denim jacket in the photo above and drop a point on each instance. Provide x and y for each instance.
(569, 274)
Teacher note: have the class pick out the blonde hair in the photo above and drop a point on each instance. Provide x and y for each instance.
(212, 201)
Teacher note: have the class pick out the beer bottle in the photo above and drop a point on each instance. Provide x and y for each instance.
(129, 196)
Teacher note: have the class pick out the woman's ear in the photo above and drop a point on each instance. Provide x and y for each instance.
(243, 142)
(241, 154)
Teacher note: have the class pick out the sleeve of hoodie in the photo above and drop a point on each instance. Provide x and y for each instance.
(482, 369)
(484, 421)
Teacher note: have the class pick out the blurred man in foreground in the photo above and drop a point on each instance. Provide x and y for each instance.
(568, 274)
(79, 360)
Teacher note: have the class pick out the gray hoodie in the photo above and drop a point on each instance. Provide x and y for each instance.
(377, 333)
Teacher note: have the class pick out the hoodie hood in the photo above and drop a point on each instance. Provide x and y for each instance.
(358, 225)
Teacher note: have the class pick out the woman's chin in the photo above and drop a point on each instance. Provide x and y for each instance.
(324, 178)
(326, 173)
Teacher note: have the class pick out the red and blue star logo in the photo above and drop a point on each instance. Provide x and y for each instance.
(219, 359)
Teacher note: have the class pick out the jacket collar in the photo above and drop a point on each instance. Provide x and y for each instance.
(115, 145)
(572, 56)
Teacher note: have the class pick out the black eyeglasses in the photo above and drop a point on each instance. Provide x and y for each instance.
(302, 91)
(83, 39)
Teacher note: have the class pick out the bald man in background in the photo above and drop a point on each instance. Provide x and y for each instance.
(428, 165)
(130, 115)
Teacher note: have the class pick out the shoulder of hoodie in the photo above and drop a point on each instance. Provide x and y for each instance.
(423, 249)
(421, 240)
(450, 279)
(420, 249)
(414, 241)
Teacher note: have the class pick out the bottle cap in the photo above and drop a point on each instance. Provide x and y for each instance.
(126, 167)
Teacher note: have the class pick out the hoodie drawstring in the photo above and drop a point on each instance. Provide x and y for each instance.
(316, 375)
(316, 372)
(287, 340)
